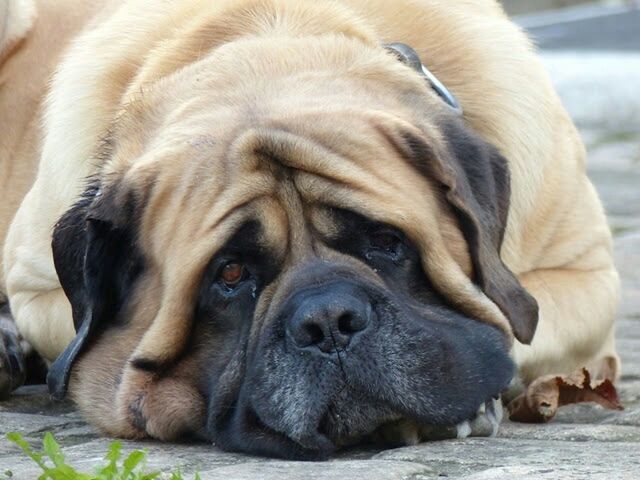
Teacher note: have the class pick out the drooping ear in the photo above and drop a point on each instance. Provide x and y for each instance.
(476, 179)
(96, 262)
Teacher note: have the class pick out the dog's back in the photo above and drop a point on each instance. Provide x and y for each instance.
(31, 46)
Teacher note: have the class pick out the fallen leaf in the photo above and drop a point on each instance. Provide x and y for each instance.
(544, 396)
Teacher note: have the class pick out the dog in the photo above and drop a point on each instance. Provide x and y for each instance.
(286, 226)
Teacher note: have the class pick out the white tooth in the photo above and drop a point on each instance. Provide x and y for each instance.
(410, 435)
(464, 429)
(494, 414)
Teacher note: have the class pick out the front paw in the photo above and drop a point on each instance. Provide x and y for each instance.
(13, 370)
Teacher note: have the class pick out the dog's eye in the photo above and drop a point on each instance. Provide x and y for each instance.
(232, 273)
(387, 241)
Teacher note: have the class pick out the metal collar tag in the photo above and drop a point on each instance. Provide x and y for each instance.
(409, 56)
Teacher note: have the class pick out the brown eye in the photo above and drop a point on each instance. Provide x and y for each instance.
(232, 273)
(384, 240)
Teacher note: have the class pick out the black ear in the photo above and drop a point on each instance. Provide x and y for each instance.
(480, 194)
(97, 262)
(475, 177)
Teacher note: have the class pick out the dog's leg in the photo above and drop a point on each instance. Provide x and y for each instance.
(39, 306)
(44, 320)
(576, 325)
(13, 352)
(19, 363)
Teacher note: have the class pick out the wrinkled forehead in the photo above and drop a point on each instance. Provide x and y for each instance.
(206, 142)
(202, 161)
(281, 173)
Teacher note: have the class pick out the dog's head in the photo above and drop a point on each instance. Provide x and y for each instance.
(285, 254)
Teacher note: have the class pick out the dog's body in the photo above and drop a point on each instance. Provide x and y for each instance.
(556, 239)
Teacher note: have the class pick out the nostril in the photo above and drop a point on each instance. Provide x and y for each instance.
(313, 334)
(345, 323)
(349, 323)
(328, 322)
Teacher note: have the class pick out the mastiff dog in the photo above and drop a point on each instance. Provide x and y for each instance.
(285, 226)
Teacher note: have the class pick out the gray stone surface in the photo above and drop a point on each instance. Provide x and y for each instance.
(499, 457)
(605, 25)
(599, 89)
(515, 7)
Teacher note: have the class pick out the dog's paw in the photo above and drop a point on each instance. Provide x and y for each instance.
(486, 422)
(13, 369)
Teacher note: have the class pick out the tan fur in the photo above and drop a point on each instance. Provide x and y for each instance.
(24, 73)
(16, 19)
(195, 83)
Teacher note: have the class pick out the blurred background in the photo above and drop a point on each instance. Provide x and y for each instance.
(591, 50)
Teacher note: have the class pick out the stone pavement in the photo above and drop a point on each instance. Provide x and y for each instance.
(583, 442)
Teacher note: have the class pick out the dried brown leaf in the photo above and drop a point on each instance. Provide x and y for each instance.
(544, 396)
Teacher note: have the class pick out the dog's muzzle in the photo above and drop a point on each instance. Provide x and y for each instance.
(342, 357)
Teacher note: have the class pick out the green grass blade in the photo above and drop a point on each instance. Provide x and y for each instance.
(114, 453)
(67, 472)
(150, 476)
(52, 449)
(16, 438)
(131, 462)
(110, 471)
(132, 467)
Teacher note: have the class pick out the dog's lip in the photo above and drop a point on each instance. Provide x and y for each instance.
(328, 420)
(323, 440)
(331, 418)
(315, 442)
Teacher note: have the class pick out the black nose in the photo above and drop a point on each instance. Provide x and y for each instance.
(328, 321)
